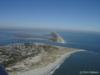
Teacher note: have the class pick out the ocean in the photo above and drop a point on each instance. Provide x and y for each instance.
(81, 63)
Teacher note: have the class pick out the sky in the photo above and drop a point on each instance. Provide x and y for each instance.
(51, 14)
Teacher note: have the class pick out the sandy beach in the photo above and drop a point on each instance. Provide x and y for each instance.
(50, 68)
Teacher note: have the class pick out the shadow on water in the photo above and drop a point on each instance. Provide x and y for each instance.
(80, 63)
(2, 71)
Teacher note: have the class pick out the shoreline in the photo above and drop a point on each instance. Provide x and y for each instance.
(50, 68)
(62, 59)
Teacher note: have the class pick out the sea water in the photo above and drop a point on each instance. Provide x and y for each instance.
(81, 63)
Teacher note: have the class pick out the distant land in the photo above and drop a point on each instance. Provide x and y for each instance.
(47, 29)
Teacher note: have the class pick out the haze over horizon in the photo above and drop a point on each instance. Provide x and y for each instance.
(77, 15)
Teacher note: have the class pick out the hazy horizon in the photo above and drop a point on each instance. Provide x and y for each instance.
(75, 15)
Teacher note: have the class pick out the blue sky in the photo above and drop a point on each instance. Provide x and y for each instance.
(51, 14)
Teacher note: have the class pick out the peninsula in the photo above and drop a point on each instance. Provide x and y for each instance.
(33, 58)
